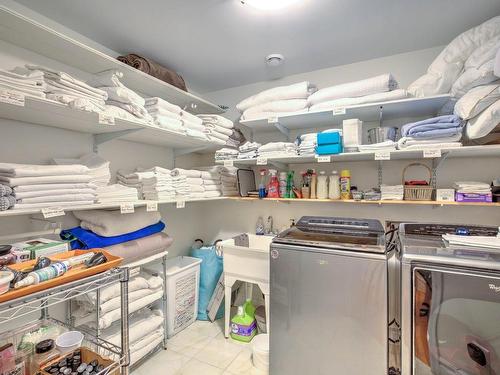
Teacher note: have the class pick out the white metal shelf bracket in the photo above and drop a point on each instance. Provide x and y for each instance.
(381, 116)
(436, 164)
(278, 165)
(185, 151)
(283, 129)
(99, 139)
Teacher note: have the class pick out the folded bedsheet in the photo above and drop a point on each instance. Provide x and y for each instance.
(108, 78)
(62, 179)
(31, 170)
(277, 106)
(219, 129)
(113, 223)
(369, 86)
(58, 198)
(153, 104)
(217, 120)
(124, 95)
(267, 115)
(300, 90)
(277, 146)
(441, 126)
(81, 238)
(406, 142)
(367, 99)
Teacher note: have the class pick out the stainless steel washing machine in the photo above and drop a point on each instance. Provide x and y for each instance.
(450, 298)
(329, 298)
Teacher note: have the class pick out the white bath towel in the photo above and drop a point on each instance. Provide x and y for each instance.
(405, 142)
(300, 90)
(369, 86)
(194, 181)
(157, 103)
(373, 98)
(193, 125)
(213, 187)
(50, 187)
(186, 172)
(30, 170)
(54, 192)
(188, 117)
(277, 106)
(67, 179)
(112, 223)
(277, 146)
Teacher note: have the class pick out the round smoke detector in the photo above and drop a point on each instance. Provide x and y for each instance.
(275, 59)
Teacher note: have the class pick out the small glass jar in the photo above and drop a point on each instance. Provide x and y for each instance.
(45, 352)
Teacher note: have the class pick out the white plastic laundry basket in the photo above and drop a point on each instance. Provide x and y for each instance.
(260, 352)
(183, 280)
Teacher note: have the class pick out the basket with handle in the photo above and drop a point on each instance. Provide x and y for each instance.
(417, 192)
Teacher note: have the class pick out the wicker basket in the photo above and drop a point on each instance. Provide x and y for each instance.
(417, 193)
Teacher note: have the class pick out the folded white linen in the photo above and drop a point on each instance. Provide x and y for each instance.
(196, 188)
(27, 206)
(386, 145)
(31, 170)
(109, 78)
(277, 146)
(300, 90)
(193, 125)
(168, 123)
(49, 187)
(137, 110)
(215, 134)
(16, 181)
(369, 86)
(277, 106)
(54, 192)
(373, 98)
(58, 198)
(216, 141)
(69, 94)
(249, 146)
(142, 347)
(217, 120)
(124, 95)
(433, 146)
(231, 193)
(212, 183)
(24, 76)
(278, 154)
(22, 90)
(194, 180)
(188, 117)
(477, 100)
(410, 141)
(114, 290)
(482, 125)
(196, 134)
(114, 111)
(160, 112)
(219, 129)
(112, 223)
(157, 103)
(186, 172)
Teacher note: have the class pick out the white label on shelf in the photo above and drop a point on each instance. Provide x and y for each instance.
(105, 119)
(382, 155)
(324, 159)
(273, 120)
(338, 111)
(432, 153)
(52, 212)
(152, 206)
(261, 161)
(13, 98)
(181, 204)
(127, 208)
(228, 163)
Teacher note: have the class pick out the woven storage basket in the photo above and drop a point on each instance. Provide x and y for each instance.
(417, 193)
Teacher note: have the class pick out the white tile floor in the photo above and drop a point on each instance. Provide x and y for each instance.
(202, 349)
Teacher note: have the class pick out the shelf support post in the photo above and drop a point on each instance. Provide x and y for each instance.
(164, 305)
(101, 138)
(380, 173)
(124, 320)
(381, 116)
(435, 167)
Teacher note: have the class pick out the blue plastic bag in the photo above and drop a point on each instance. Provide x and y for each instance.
(211, 268)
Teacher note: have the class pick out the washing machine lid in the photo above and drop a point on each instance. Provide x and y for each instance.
(364, 235)
(424, 242)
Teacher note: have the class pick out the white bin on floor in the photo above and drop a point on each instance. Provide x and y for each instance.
(260, 352)
(183, 280)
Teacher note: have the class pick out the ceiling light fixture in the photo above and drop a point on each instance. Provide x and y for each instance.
(268, 4)
(275, 60)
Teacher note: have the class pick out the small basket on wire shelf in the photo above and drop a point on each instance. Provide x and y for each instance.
(417, 190)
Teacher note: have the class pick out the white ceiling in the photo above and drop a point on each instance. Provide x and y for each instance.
(217, 44)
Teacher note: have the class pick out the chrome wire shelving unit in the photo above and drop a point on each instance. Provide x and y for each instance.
(41, 301)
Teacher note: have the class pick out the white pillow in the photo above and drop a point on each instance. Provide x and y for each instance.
(473, 77)
(483, 124)
(445, 69)
(497, 64)
(477, 100)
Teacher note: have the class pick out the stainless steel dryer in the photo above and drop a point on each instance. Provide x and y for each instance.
(329, 298)
(450, 297)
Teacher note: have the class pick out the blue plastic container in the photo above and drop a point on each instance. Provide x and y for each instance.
(329, 149)
(329, 138)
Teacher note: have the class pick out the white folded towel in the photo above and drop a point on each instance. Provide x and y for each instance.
(29, 206)
(59, 198)
(159, 103)
(31, 170)
(124, 95)
(66, 179)
(217, 120)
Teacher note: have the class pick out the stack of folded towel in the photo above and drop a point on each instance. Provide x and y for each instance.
(165, 115)
(211, 182)
(39, 186)
(226, 154)
(7, 199)
(159, 186)
(472, 191)
(116, 193)
(307, 144)
(217, 128)
(100, 228)
(99, 171)
(278, 149)
(141, 248)
(376, 89)
(229, 181)
(392, 193)
(188, 183)
(23, 81)
(277, 101)
(68, 90)
(441, 132)
(119, 95)
(249, 150)
(382, 146)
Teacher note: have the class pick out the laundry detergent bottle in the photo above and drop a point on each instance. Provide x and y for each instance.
(243, 325)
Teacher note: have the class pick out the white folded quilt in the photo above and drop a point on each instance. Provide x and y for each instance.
(30, 170)
(277, 106)
(477, 100)
(369, 86)
(67, 179)
(300, 90)
(373, 98)
(112, 223)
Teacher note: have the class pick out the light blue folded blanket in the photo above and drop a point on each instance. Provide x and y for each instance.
(433, 127)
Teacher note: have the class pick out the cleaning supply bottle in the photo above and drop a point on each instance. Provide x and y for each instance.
(334, 186)
(289, 185)
(282, 181)
(243, 326)
(259, 227)
(249, 308)
(322, 191)
(262, 185)
(345, 184)
(313, 185)
(273, 188)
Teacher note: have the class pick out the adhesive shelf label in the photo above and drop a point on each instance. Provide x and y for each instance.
(52, 212)
(261, 161)
(324, 159)
(105, 119)
(127, 208)
(339, 111)
(382, 155)
(181, 204)
(152, 206)
(13, 98)
(228, 163)
(432, 153)
(273, 120)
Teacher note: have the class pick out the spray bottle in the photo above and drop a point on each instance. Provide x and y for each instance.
(274, 185)
(289, 185)
(262, 185)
